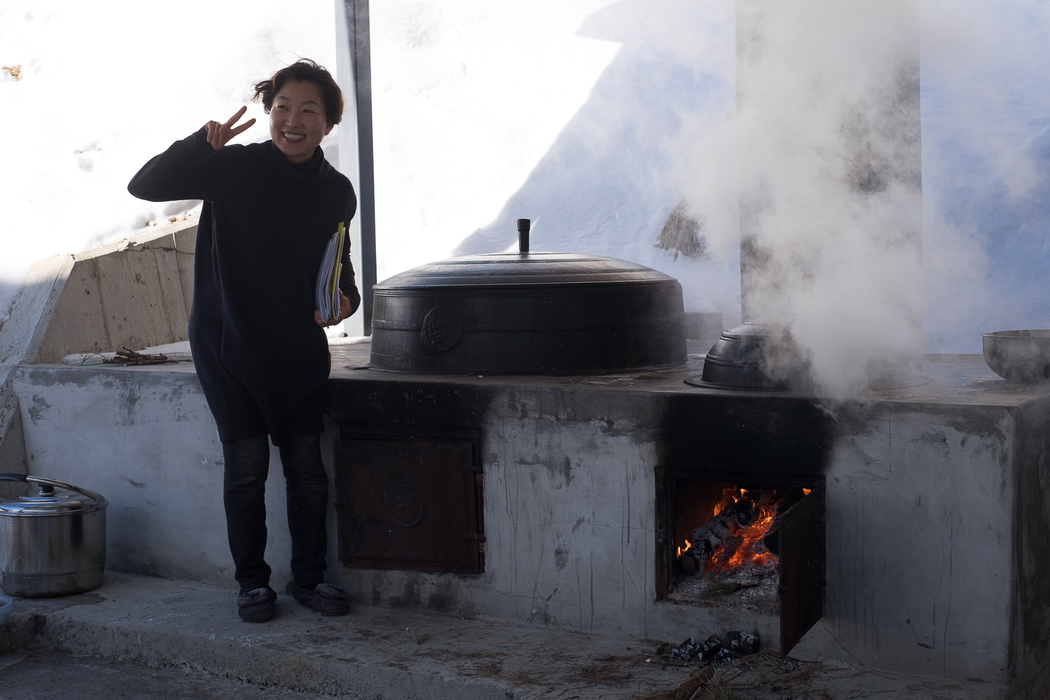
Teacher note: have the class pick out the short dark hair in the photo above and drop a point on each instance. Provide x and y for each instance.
(306, 71)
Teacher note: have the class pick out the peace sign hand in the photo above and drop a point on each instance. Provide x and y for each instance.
(220, 134)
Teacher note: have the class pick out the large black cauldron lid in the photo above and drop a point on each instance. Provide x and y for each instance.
(521, 269)
(528, 313)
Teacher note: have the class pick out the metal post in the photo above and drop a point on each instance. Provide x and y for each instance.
(358, 35)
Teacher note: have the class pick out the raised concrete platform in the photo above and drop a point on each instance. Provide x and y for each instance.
(380, 653)
(958, 457)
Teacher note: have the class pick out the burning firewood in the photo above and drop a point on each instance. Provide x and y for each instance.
(734, 535)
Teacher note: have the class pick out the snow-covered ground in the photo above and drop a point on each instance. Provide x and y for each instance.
(590, 117)
(91, 90)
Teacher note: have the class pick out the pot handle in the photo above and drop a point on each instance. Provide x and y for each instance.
(12, 476)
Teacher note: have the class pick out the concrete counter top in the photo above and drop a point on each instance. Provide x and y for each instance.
(942, 379)
(571, 468)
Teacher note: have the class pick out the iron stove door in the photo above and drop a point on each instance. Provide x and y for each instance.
(802, 588)
(409, 502)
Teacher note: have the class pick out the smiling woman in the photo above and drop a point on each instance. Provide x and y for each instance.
(59, 45)
(258, 346)
(304, 103)
(297, 121)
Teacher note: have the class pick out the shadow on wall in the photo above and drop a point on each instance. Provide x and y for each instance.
(610, 184)
(1005, 231)
(986, 171)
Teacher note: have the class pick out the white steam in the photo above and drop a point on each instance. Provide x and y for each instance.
(826, 154)
(986, 162)
(827, 158)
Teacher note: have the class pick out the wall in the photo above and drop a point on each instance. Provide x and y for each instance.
(136, 293)
(920, 511)
(924, 548)
(147, 442)
(1030, 611)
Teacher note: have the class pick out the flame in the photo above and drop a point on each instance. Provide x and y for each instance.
(744, 540)
(730, 496)
(745, 553)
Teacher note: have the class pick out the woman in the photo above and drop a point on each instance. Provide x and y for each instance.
(258, 342)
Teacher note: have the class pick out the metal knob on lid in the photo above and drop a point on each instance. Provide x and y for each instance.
(523, 235)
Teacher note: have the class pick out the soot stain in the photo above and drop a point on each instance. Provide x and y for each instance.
(561, 557)
(38, 410)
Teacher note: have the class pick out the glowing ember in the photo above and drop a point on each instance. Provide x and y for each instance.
(749, 550)
(733, 535)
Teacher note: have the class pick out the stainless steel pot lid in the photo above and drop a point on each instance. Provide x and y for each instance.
(47, 501)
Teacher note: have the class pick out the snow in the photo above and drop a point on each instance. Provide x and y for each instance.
(104, 87)
(470, 98)
(594, 118)
(575, 115)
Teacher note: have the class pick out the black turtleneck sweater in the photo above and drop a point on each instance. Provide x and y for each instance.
(262, 234)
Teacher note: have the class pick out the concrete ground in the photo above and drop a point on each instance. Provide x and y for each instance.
(138, 637)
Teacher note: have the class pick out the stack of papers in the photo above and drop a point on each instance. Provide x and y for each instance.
(328, 276)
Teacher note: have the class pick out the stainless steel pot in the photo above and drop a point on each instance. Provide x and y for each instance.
(51, 543)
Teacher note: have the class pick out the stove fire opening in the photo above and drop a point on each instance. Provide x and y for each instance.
(727, 551)
(756, 548)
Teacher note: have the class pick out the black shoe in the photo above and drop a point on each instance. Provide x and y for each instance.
(325, 599)
(257, 605)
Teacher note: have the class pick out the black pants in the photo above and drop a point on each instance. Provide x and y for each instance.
(244, 483)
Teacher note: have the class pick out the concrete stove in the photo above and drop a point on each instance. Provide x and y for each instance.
(936, 523)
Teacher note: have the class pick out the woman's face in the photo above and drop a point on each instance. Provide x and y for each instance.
(297, 120)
